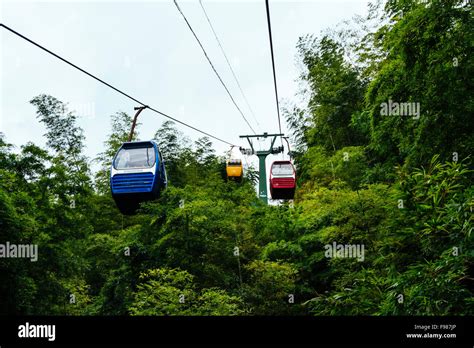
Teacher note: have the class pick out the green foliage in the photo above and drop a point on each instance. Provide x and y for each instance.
(421, 251)
(172, 292)
(346, 166)
(63, 135)
(427, 49)
(269, 287)
(336, 93)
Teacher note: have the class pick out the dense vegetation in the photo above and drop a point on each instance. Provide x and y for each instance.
(401, 186)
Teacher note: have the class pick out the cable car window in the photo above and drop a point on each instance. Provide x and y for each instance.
(143, 157)
(234, 163)
(282, 169)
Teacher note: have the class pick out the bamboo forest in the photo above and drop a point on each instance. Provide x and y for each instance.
(367, 208)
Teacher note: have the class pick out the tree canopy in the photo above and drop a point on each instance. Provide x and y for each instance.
(394, 189)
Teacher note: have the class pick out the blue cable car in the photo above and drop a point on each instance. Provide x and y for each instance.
(138, 174)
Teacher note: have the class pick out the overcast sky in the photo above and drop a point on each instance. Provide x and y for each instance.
(146, 49)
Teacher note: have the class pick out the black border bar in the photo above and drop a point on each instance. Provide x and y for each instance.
(241, 330)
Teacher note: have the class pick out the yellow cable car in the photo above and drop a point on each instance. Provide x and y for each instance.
(234, 169)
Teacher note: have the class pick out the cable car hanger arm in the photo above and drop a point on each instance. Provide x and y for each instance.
(264, 135)
(140, 109)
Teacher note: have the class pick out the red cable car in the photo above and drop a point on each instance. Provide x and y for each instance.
(282, 180)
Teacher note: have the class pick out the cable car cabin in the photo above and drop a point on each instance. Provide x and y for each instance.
(138, 174)
(282, 180)
(234, 169)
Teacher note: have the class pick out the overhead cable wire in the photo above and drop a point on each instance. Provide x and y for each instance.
(112, 87)
(228, 63)
(212, 65)
(273, 65)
